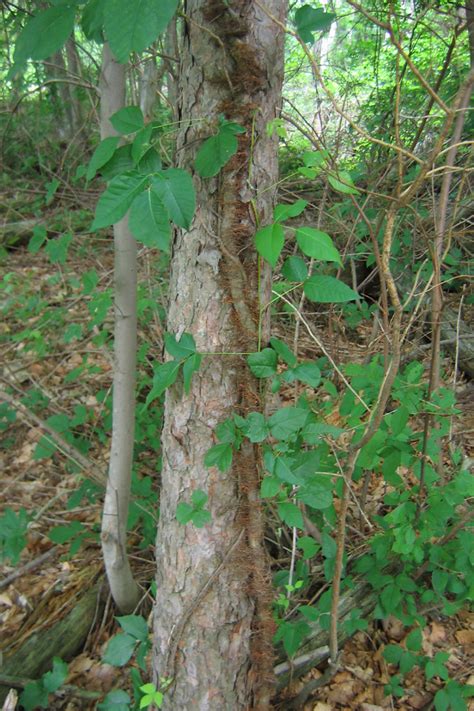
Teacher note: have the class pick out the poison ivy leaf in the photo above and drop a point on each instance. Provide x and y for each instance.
(294, 269)
(201, 517)
(165, 375)
(283, 471)
(285, 353)
(191, 365)
(119, 650)
(182, 349)
(135, 626)
(264, 363)
(117, 198)
(102, 154)
(283, 212)
(121, 162)
(45, 33)
(317, 244)
(52, 187)
(54, 679)
(254, 427)
(150, 162)
(309, 547)
(290, 514)
(344, 185)
(328, 290)
(215, 152)
(270, 487)
(317, 497)
(307, 373)
(127, 120)
(287, 421)
(184, 513)
(414, 640)
(219, 456)
(149, 222)
(269, 242)
(309, 19)
(175, 189)
(391, 597)
(292, 635)
(116, 700)
(199, 498)
(132, 27)
(141, 143)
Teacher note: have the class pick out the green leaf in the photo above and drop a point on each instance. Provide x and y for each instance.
(284, 212)
(391, 597)
(135, 626)
(141, 144)
(290, 514)
(132, 27)
(184, 513)
(285, 353)
(292, 635)
(255, 428)
(149, 222)
(44, 34)
(102, 154)
(53, 680)
(182, 349)
(191, 365)
(309, 547)
(344, 185)
(219, 456)
(13, 529)
(127, 120)
(270, 486)
(52, 187)
(34, 696)
(199, 498)
(294, 269)
(317, 497)
(284, 472)
(309, 19)
(37, 240)
(201, 517)
(328, 290)
(307, 373)
(119, 650)
(164, 376)
(117, 198)
(92, 20)
(121, 162)
(175, 189)
(65, 533)
(317, 244)
(287, 421)
(269, 242)
(263, 364)
(215, 152)
(414, 640)
(57, 249)
(116, 700)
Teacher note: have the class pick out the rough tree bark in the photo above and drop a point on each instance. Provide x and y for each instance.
(124, 590)
(213, 625)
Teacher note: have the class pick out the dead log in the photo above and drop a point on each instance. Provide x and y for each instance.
(64, 639)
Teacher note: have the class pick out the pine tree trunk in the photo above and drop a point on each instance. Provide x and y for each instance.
(213, 624)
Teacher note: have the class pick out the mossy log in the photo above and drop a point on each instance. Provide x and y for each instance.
(64, 639)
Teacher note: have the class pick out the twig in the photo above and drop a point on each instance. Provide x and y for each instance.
(28, 567)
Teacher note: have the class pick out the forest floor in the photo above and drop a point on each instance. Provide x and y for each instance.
(49, 349)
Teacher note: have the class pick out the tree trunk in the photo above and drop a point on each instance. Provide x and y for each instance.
(114, 522)
(213, 624)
